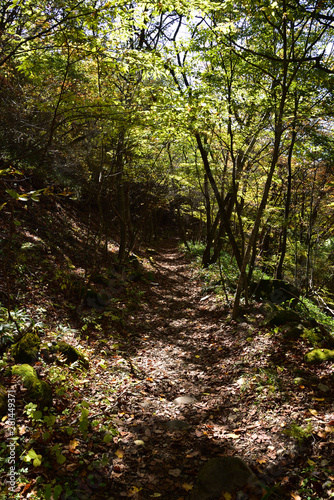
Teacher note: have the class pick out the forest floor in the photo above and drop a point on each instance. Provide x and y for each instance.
(205, 386)
(173, 382)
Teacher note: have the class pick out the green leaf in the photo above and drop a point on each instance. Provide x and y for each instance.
(50, 420)
(37, 415)
(12, 193)
(107, 438)
(57, 492)
(83, 420)
(48, 492)
(61, 459)
(38, 461)
(31, 454)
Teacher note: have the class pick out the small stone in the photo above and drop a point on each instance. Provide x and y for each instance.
(177, 425)
(323, 388)
(280, 452)
(185, 400)
(139, 442)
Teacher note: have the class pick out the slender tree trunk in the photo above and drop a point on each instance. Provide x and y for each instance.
(279, 271)
(312, 218)
(242, 282)
(224, 215)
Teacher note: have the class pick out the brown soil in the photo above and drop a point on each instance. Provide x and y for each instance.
(237, 380)
(173, 382)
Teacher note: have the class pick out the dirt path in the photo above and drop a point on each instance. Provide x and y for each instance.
(200, 387)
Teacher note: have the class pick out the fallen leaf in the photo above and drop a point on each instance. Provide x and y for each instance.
(71, 467)
(119, 453)
(295, 496)
(134, 490)
(227, 496)
(187, 486)
(73, 444)
(174, 472)
(232, 436)
(26, 487)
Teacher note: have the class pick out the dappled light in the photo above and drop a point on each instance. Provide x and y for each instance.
(166, 250)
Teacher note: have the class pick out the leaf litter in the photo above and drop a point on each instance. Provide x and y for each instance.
(177, 383)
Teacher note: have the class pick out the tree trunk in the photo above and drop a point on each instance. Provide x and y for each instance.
(279, 271)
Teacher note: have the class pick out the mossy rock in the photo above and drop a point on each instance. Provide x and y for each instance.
(26, 349)
(223, 475)
(317, 356)
(276, 291)
(100, 279)
(96, 300)
(134, 261)
(38, 390)
(268, 308)
(315, 337)
(307, 381)
(282, 316)
(293, 331)
(71, 353)
(3, 401)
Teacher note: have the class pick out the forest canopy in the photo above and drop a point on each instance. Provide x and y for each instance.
(212, 117)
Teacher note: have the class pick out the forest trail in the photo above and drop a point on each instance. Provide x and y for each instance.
(173, 382)
(177, 391)
(196, 386)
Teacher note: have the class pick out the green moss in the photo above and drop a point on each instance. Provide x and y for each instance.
(26, 349)
(38, 390)
(294, 331)
(319, 356)
(71, 353)
(299, 433)
(282, 316)
(314, 337)
(3, 400)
